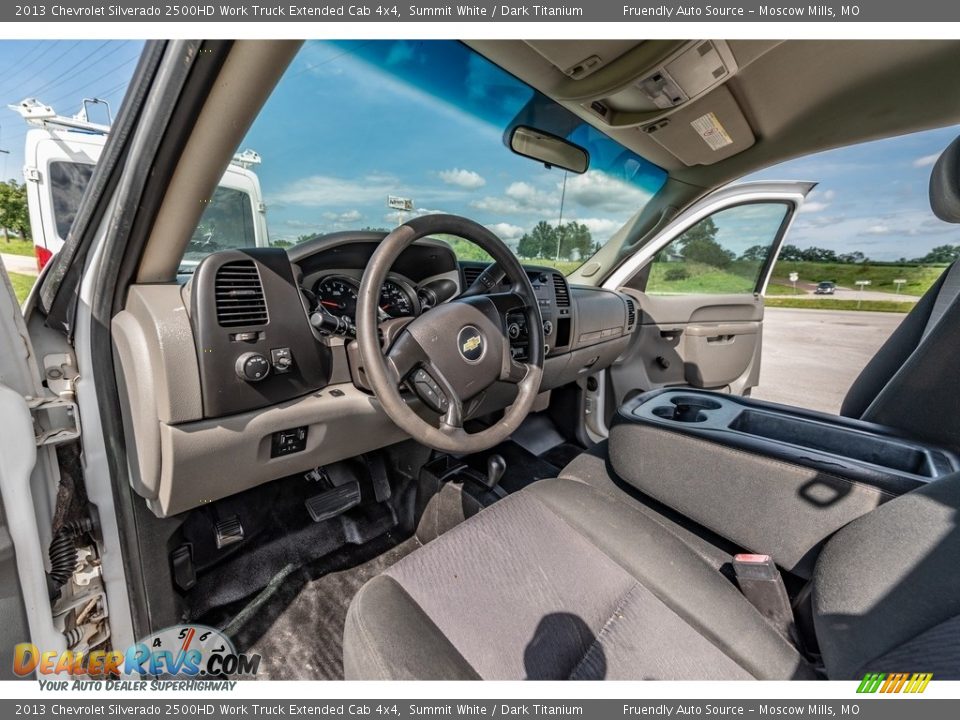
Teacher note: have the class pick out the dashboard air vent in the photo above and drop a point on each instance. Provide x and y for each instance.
(239, 295)
(631, 312)
(470, 275)
(561, 290)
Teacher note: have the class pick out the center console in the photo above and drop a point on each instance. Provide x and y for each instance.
(774, 479)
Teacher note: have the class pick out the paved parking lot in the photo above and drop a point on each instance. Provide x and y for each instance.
(811, 357)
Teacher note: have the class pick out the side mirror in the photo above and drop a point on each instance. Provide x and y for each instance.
(549, 149)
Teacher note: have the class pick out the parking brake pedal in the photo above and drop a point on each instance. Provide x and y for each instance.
(229, 531)
(331, 503)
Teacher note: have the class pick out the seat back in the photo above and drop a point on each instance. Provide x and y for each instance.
(886, 591)
(911, 383)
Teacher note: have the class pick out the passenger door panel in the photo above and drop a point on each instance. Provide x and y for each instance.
(699, 290)
(681, 340)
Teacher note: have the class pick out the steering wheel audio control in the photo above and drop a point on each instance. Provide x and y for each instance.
(252, 367)
(429, 391)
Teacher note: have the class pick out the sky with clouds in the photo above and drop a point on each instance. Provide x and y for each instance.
(871, 197)
(338, 136)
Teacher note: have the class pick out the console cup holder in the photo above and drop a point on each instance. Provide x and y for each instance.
(686, 408)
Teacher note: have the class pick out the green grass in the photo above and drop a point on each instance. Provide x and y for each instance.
(21, 285)
(694, 277)
(835, 304)
(16, 246)
(773, 289)
(919, 278)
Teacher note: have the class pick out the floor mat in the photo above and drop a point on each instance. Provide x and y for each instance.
(562, 455)
(296, 623)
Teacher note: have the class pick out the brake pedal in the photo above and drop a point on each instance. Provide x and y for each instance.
(229, 531)
(333, 502)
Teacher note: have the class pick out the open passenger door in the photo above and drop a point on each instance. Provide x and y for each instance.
(698, 287)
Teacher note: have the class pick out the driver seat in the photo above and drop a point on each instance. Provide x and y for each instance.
(565, 581)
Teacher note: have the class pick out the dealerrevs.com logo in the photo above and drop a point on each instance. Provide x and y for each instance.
(180, 651)
(895, 683)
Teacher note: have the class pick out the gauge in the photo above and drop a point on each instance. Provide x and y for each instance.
(396, 300)
(338, 295)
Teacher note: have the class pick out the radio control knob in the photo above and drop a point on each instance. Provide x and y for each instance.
(252, 367)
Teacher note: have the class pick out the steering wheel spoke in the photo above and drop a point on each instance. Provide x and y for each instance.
(515, 372)
(404, 355)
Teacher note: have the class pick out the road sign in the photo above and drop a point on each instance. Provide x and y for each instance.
(899, 282)
(862, 284)
(400, 203)
(794, 277)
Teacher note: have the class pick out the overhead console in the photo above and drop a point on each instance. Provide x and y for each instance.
(645, 93)
(773, 479)
(685, 75)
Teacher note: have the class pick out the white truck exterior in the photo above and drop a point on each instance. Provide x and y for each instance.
(59, 157)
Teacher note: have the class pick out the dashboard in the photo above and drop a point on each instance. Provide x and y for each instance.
(230, 381)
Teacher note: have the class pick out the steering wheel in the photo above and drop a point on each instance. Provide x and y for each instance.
(455, 351)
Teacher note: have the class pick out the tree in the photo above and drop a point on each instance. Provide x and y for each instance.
(942, 254)
(543, 240)
(854, 257)
(528, 247)
(755, 253)
(574, 240)
(14, 214)
(816, 254)
(698, 244)
(791, 253)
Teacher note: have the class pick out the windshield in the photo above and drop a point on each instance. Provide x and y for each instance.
(366, 134)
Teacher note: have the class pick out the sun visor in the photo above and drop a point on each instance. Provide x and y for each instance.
(705, 131)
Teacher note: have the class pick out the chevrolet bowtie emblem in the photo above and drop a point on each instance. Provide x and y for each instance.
(471, 344)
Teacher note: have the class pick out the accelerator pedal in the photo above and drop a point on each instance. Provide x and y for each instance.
(331, 503)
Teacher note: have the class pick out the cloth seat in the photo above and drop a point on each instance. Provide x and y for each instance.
(560, 581)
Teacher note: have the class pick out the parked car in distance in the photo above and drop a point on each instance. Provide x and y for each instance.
(825, 288)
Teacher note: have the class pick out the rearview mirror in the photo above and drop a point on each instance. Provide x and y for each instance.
(549, 149)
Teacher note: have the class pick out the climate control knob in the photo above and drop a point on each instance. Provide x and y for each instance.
(252, 367)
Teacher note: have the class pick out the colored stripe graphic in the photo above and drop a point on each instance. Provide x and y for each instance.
(894, 683)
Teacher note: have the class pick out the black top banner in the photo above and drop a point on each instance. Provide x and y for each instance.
(632, 11)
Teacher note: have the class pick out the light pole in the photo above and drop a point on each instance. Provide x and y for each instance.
(563, 195)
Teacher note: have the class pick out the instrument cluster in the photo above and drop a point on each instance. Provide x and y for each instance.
(337, 295)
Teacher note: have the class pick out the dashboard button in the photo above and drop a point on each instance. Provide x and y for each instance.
(252, 367)
(281, 359)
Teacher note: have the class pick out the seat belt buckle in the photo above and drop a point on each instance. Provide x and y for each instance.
(761, 584)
